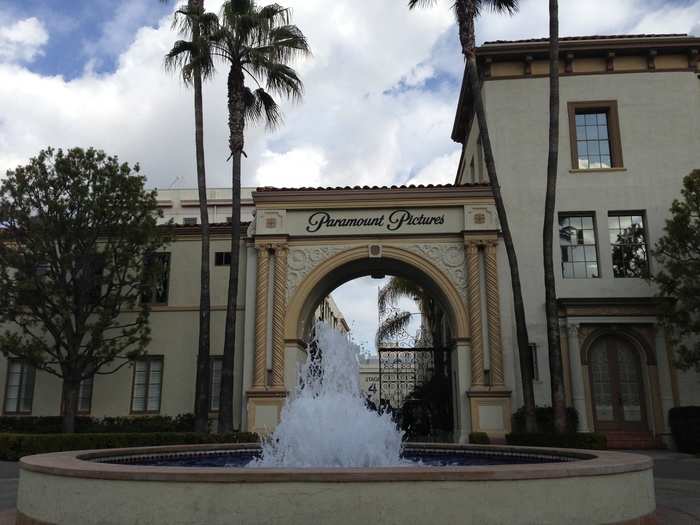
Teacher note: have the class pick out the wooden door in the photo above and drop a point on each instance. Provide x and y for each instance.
(616, 386)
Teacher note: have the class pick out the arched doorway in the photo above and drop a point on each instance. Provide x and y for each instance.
(617, 385)
(415, 382)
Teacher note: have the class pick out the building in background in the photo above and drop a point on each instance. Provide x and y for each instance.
(629, 133)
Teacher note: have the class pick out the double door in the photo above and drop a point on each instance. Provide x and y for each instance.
(617, 387)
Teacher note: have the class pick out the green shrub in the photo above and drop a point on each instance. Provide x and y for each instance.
(685, 427)
(587, 440)
(14, 446)
(479, 438)
(83, 424)
(545, 420)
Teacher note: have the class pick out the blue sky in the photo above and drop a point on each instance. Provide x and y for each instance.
(381, 91)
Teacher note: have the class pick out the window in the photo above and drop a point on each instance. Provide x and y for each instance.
(595, 135)
(222, 259)
(157, 279)
(229, 220)
(145, 394)
(215, 364)
(628, 244)
(89, 275)
(535, 365)
(19, 387)
(472, 170)
(84, 397)
(579, 253)
(189, 221)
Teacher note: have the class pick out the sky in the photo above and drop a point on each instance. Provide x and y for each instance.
(380, 90)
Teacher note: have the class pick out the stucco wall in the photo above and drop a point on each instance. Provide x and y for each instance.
(660, 132)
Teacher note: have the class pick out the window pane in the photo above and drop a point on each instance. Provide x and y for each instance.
(580, 270)
(625, 222)
(27, 389)
(592, 270)
(576, 222)
(591, 119)
(579, 256)
(604, 147)
(580, 120)
(602, 119)
(591, 133)
(593, 148)
(587, 222)
(567, 270)
(628, 245)
(603, 132)
(605, 161)
(594, 161)
(85, 395)
(582, 148)
(583, 163)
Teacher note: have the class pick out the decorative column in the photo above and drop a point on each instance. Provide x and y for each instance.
(263, 270)
(474, 297)
(577, 386)
(278, 311)
(493, 312)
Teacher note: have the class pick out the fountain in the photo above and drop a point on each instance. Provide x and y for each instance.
(333, 460)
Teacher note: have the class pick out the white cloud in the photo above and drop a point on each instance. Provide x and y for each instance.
(441, 170)
(22, 40)
(298, 167)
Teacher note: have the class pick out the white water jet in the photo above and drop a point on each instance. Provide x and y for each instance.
(327, 423)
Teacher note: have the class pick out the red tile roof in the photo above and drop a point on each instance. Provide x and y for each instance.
(590, 37)
(394, 187)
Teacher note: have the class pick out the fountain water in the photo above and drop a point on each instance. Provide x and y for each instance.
(327, 423)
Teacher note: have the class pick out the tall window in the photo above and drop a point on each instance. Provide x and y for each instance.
(215, 383)
(84, 397)
(579, 253)
(19, 387)
(535, 364)
(628, 244)
(148, 377)
(158, 271)
(189, 221)
(595, 135)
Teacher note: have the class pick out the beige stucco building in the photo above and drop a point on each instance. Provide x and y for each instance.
(631, 117)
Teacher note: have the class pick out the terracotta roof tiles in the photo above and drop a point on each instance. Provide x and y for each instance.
(393, 187)
(585, 38)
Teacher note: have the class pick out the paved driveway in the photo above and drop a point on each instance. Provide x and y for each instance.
(677, 488)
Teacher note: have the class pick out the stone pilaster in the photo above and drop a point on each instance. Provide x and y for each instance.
(474, 298)
(263, 271)
(493, 312)
(278, 310)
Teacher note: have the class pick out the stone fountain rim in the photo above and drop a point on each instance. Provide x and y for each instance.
(83, 464)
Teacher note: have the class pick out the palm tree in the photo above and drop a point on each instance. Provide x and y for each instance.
(556, 369)
(466, 12)
(395, 323)
(257, 43)
(193, 59)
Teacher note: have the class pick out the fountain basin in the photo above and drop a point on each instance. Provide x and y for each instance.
(576, 487)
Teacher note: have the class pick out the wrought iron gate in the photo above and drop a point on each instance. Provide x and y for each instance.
(416, 385)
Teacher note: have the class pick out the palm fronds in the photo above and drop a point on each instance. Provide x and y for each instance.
(392, 326)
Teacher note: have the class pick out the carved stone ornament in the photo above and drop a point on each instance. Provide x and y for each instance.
(449, 258)
(302, 260)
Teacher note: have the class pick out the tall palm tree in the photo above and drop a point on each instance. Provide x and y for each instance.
(193, 59)
(394, 324)
(466, 12)
(258, 44)
(556, 369)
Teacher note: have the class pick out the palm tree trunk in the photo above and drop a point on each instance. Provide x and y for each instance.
(236, 142)
(466, 14)
(70, 404)
(202, 385)
(556, 369)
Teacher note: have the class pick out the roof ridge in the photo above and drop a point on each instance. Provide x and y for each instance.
(391, 187)
(591, 37)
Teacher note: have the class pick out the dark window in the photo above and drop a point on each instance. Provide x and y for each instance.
(628, 244)
(189, 221)
(579, 253)
(28, 285)
(19, 387)
(222, 259)
(595, 135)
(157, 278)
(535, 365)
(215, 383)
(146, 388)
(89, 276)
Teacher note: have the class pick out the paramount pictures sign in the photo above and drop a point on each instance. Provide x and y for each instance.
(373, 222)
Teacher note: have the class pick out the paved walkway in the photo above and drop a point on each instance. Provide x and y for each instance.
(677, 488)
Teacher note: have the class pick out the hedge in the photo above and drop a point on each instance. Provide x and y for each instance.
(545, 420)
(479, 438)
(685, 427)
(84, 424)
(587, 440)
(14, 446)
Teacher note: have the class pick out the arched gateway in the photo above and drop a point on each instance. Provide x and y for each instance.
(309, 241)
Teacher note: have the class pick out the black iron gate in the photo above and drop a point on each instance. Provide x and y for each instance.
(415, 384)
